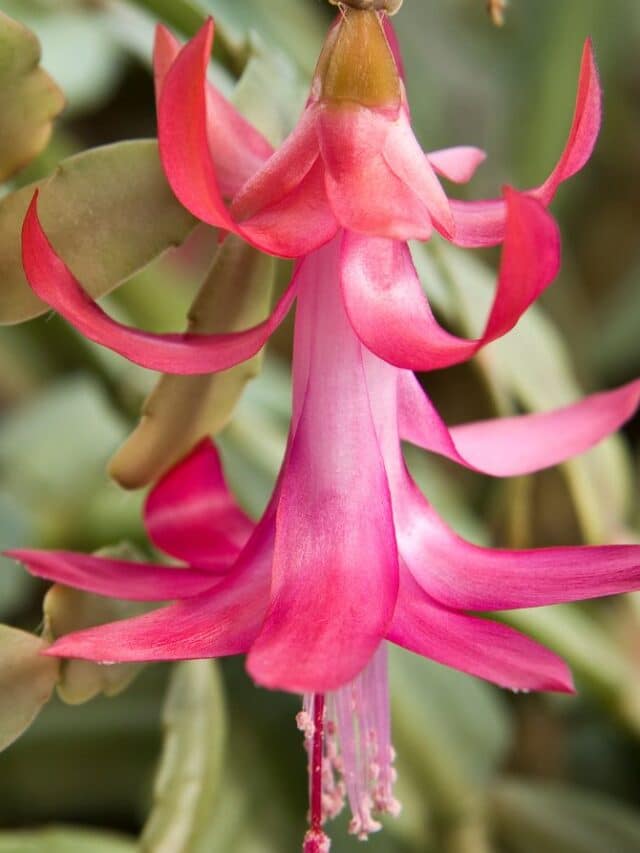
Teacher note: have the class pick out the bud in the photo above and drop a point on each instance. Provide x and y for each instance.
(357, 64)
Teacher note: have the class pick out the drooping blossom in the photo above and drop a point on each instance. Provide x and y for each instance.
(348, 555)
(352, 166)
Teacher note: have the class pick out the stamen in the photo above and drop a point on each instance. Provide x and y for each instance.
(348, 740)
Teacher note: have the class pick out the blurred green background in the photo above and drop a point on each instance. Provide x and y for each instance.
(480, 770)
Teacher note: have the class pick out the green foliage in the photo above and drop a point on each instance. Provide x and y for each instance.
(532, 816)
(29, 98)
(26, 681)
(108, 211)
(188, 780)
(64, 840)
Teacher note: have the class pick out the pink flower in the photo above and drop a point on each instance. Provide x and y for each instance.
(349, 554)
(352, 166)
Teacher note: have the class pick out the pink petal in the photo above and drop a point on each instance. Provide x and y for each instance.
(118, 578)
(476, 646)
(390, 313)
(281, 221)
(171, 353)
(468, 577)
(457, 164)
(481, 223)
(237, 147)
(221, 622)
(188, 152)
(192, 515)
(506, 447)
(335, 546)
(364, 192)
(407, 160)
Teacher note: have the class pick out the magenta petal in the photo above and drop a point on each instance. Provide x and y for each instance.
(406, 159)
(476, 646)
(335, 559)
(192, 515)
(171, 353)
(238, 149)
(365, 193)
(481, 223)
(188, 152)
(390, 313)
(457, 164)
(223, 621)
(468, 577)
(118, 578)
(506, 447)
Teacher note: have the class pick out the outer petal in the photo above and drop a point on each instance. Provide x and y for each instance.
(467, 577)
(238, 149)
(335, 560)
(366, 195)
(407, 160)
(462, 576)
(222, 622)
(479, 647)
(117, 578)
(170, 353)
(481, 223)
(192, 515)
(507, 447)
(190, 166)
(457, 164)
(388, 309)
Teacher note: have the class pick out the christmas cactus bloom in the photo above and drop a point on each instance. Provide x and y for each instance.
(349, 555)
(352, 168)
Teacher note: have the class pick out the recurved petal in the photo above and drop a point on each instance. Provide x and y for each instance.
(220, 622)
(192, 515)
(238, 149)
(118, 578)
(389, 310)
(467, 577)
(189, 156)
(407, 160)
(335, 560)
(54, 283)
(507, 447)
(479, 647)
(482, 223)
(457, 164)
